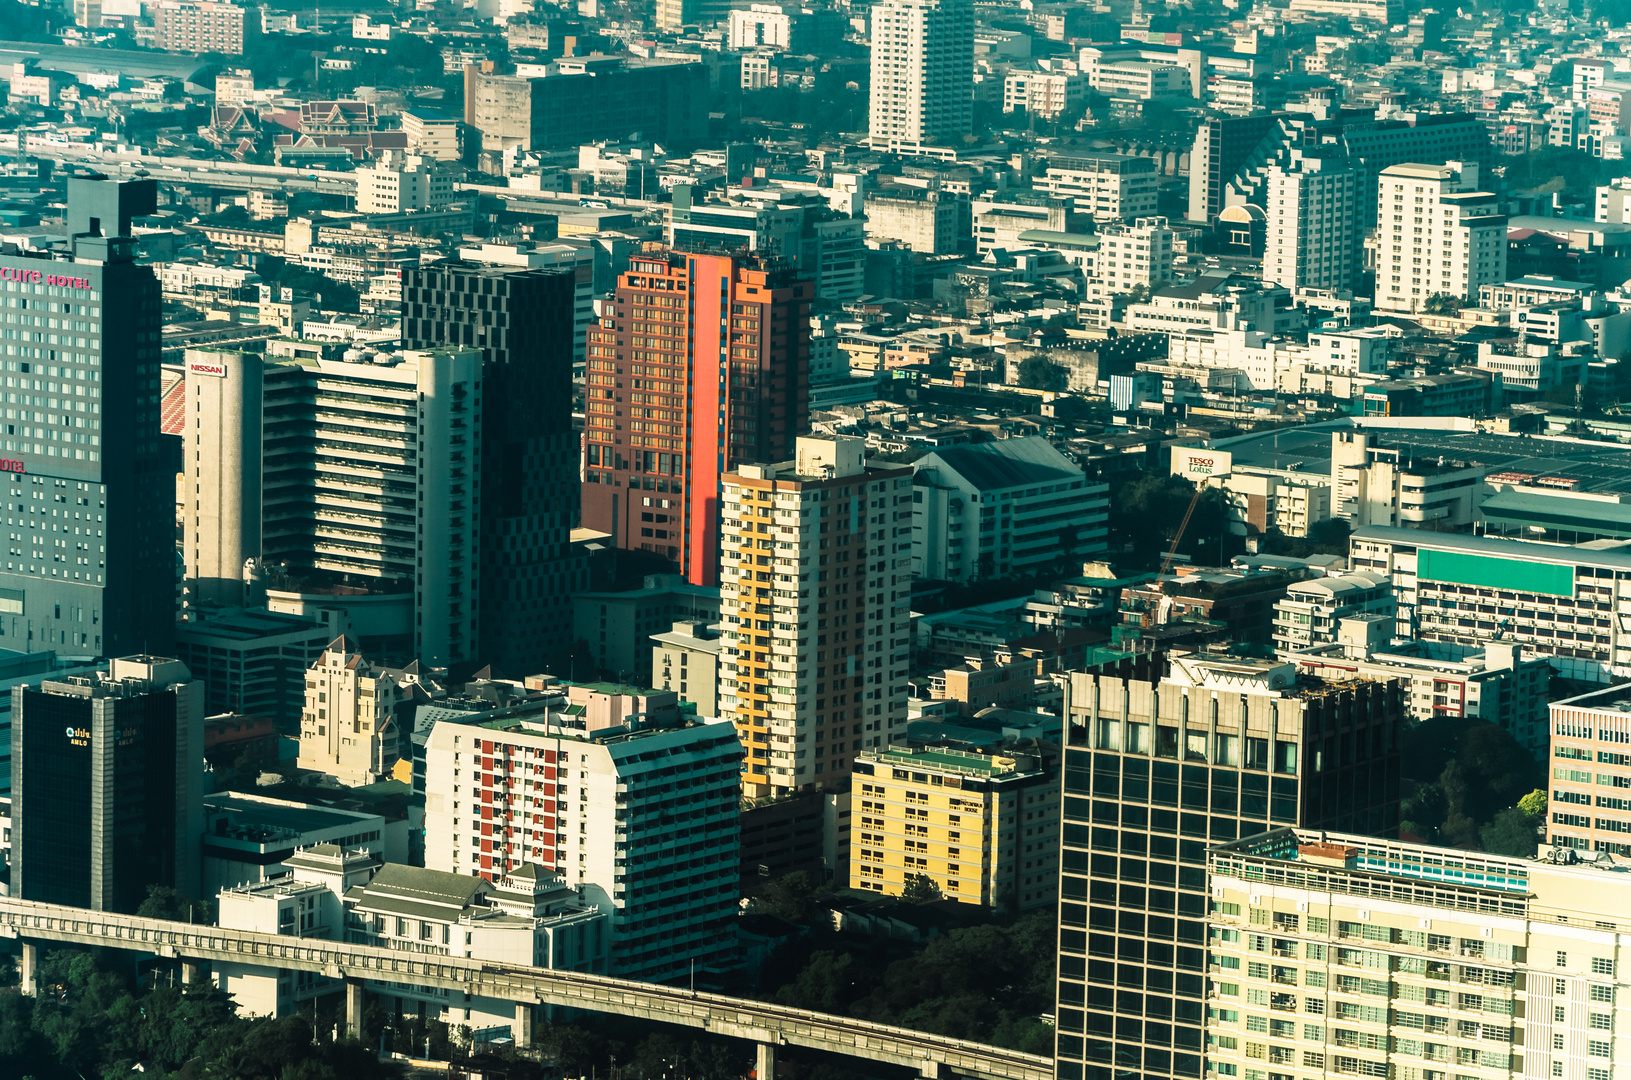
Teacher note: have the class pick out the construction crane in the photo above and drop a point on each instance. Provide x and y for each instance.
(1166, 564)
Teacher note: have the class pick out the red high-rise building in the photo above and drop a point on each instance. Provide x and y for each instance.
(702, 364)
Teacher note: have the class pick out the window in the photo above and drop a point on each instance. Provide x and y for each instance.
(1562, 959)
(1602, 965)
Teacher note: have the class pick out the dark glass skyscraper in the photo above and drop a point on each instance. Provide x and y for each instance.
(107, 785)
(522, 320)
(1166, 754)
(90, 566)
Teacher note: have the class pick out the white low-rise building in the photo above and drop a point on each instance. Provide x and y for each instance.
(1111, 187)
(1310, 612)
(1345, 358)
(529, 917)
(1057, 88)
(398, 183)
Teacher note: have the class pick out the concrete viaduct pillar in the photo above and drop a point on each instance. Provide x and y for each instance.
(353, 1008)
(764, 1067)
(29, 967)
(521, 1030)
(191, 972)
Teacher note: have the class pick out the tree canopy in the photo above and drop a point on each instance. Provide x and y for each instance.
(986, 982)
(920, 889)
(1145, 514)
(90, 1019)
(1040, 373)
(1464, 779)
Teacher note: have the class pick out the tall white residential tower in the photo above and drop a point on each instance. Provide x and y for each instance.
(1435, 233)
(922, 71)
(1313, 224)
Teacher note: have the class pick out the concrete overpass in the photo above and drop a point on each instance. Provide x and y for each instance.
(769, 1026)
(229, 175)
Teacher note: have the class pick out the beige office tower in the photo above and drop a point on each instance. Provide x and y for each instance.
(1332, 955)
(815, 589)
(221, 474)
(1591, 773)
(372, 479)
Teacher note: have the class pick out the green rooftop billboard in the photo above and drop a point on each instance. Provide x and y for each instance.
(1489, 572)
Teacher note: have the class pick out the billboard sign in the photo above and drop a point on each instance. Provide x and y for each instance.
(1199, 464)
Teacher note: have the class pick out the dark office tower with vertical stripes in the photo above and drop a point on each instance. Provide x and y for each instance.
(1165, 755)
(522, 320)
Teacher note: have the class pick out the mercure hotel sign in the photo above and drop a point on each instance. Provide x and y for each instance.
(39, 277)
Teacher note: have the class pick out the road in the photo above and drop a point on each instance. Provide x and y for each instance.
(240, 176)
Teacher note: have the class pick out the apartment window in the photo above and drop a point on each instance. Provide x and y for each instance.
(1602, 966)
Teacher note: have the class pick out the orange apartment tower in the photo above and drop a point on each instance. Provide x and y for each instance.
(701, 363)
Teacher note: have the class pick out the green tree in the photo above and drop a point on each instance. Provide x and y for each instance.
(1511, 833)
(1534, 804)
(1145, 514)
(824, 985)
(1460, 775)
(919, 889)
(1040, 373)
(164, 902)
(787, 897)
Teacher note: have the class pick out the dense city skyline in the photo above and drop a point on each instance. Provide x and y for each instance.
(1044, 542)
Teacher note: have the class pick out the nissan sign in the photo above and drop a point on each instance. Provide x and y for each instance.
(1193, 464)
(207, 367)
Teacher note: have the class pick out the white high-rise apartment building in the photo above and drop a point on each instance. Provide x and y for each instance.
(922, 71)
(1129, 255)
(815, 586)
(1435, 233)
(628, 802)
(1313, 224)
